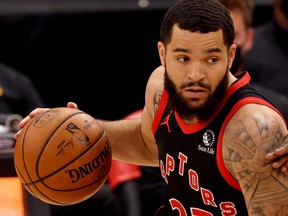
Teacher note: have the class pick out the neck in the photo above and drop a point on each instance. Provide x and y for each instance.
(191, 121)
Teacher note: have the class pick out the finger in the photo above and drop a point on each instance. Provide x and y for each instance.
(271, 156)
(22, 123)
(281, 150)
(274, 155)
(277, 153)
(281, 162)
(16, 135)
(72, 105)
(284, 168)
(31, 115)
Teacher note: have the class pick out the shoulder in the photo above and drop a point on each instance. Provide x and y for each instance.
(8, 72)
(255, 126)
(154, 89)
(8, 75)
(156, 79)
(6, 69)
(250, 134)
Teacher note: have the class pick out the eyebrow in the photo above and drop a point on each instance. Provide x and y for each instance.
(210, 50)
(215, 49)
(178, 49)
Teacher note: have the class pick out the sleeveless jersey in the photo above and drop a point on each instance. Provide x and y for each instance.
(190, 156)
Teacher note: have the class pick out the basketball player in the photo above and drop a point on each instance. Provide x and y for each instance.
(208, 130)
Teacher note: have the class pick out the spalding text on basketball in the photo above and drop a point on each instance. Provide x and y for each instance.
(82, 171)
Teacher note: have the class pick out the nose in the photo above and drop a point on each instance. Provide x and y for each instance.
(195, 72)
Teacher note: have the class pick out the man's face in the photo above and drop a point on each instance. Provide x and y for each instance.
(197, 74)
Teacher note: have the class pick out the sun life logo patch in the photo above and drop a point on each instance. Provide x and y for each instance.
(209, 138)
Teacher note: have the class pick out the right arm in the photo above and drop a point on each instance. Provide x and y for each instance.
(131, 140)
(128, 142)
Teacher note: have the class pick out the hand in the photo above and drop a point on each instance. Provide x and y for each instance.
(34, 113)
(280, 156)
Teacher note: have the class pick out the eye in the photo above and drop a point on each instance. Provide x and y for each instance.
(183, 59)
(212, 60)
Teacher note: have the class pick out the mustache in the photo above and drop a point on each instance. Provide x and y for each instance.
(198, 84)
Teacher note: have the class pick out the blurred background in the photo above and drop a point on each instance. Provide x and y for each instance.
(98, 53)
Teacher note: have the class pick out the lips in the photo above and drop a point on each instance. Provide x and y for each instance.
(195, 92)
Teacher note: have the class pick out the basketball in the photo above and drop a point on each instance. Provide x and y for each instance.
(62, 156)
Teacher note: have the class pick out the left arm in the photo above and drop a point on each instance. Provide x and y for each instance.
(253, 132)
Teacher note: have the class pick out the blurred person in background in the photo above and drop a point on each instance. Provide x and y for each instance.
(241, 12)
(267, 61)
(18, 96)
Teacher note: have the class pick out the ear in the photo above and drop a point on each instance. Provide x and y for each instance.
(161, 52)
(232, 53)
(249, 39)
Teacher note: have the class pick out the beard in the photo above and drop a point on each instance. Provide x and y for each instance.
(182, 105)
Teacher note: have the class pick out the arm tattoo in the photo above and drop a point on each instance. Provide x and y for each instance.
(246, 141)
(156, 100)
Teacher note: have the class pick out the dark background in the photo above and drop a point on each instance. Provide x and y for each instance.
(98, 54)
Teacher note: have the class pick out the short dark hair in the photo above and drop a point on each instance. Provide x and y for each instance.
(198, 15)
